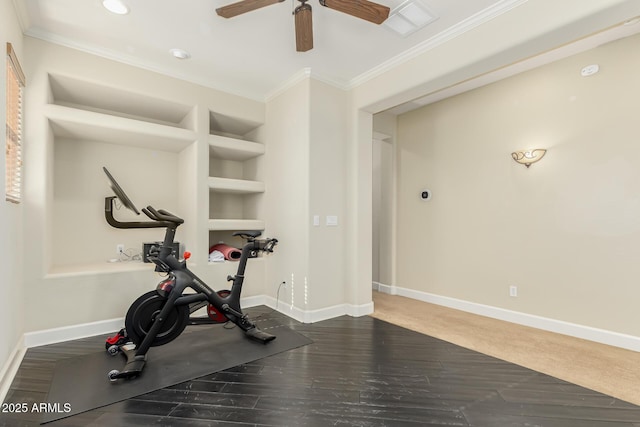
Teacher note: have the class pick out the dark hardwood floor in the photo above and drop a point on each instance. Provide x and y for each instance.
(358, 372)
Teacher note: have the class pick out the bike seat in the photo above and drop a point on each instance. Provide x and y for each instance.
(248, 234)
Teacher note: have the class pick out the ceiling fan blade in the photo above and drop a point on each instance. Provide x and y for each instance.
(243, 6)
(304, 28)
(363, 9)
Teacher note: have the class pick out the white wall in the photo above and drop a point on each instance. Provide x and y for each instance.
(11, 322)
(566, 230)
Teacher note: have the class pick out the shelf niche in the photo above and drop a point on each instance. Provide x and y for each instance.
(235, 189)
(113, 101)
(134, 136)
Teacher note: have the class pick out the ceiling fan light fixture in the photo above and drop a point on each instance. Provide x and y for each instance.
(115, 6)
(409, 17)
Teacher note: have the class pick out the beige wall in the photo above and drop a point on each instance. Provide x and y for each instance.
(286, 167)
(305, 173)
(11, 323)
(327, 196)
(384, 198)
(440, 64)
(566, 230)
(80, 233)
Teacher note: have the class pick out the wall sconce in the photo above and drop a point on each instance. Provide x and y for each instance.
(526, 157)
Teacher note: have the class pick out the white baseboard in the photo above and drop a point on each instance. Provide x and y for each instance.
(10, 368)
(312, 316)
(387, 289)
(68, 333)
(602, 336)
(74, 332)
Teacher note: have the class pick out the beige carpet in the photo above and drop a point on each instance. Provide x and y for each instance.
(603, 368)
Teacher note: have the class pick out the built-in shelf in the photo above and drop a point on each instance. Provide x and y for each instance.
(83, 113)
(232, 266)
(233, 199)
(236, 224)
(73, 123)
(235, 186)
(93, 96)
(234, 149)
(98, 268)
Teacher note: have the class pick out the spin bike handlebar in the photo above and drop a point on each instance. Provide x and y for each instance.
(265, 245)
(255, 244)
(161, 215)
(161, 218)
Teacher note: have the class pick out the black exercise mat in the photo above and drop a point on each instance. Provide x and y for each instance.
(80, 384)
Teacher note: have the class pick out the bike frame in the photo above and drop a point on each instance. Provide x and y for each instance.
(183, 278)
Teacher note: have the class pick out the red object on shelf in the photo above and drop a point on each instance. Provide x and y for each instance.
(230, 253)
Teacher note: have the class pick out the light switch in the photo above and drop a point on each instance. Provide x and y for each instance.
(316, 220)
(332, 220)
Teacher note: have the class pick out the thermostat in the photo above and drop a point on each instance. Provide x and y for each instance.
(425, 195)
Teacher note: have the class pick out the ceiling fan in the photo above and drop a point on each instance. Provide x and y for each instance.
(363, 9)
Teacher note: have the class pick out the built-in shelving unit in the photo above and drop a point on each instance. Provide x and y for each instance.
(152, 144)
(234, 188)
(140, 138)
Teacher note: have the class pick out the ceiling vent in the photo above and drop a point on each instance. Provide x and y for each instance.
(409, 17)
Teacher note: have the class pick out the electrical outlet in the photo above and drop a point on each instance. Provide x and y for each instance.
(284, 284)
(119, 248)
(513, 291)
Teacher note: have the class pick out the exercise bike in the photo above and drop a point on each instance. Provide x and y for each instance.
(160, 316)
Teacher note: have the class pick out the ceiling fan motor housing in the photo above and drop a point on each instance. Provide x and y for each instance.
(363, 9)
(304, 27)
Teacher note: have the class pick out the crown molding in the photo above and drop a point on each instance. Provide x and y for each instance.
(135, 62)
(300, 75)
(462, 27)
(22, 13)
(296, 78)
(468, 24)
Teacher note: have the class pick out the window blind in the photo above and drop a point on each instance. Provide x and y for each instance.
(13, 152)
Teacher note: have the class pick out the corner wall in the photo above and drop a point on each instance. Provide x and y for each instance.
(286, 203)
(306, 173)
(384, 198)
(11, 261)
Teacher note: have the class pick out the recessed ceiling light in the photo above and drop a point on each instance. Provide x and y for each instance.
(590, 70)
(180, 53)
(115, 6)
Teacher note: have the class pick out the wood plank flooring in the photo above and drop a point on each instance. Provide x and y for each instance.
(358, 372)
